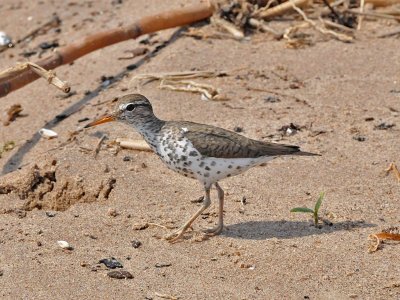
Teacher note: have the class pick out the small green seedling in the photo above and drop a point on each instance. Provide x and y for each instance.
(311, 211)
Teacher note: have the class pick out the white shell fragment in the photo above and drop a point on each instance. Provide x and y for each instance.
(64, 245)
(5, 40)
(47, 133)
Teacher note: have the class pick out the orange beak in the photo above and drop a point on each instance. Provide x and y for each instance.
(102, 120)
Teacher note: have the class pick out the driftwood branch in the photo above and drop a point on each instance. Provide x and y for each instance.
(68, 54)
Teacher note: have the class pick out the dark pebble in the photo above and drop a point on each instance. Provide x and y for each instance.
(136, 244)
(272, 99)
(50, 214)
(162, 265)
(46, 45)
(359, 138)
(120, 274)
(127, 158)
(384, 126)
(87, 92)
(369, 119)
(1, 273)
(238, 129)
(111, 263)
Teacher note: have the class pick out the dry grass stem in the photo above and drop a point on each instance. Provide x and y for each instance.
(139, 145)
(339, 36)
(279, 10)
(228, 27)
(338, 26)
(98, 146)
(371, 14)
(165, 296)
(261, 25)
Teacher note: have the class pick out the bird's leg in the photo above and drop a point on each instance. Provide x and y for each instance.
(173, 237)
(217, 229)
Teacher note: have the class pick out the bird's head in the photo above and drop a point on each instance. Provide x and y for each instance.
(133, 109)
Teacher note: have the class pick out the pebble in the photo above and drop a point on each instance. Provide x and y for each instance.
(127, 158)
(111, 263)
(112, 212)
(1, 273)
(272, 99)
(120, 274)
(136, 244)
(139, 226)
(359, 138)
(50, 214)
(65, 245)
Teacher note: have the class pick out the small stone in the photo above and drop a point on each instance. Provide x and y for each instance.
(120, 274)
(384, 126)
(84, 264)
(20, 213)
(369, 119)
(111, 263)
(112, 212)
(359, 138)
(39, 243)
(138, 226)
(65, 245)
(1, 273)
(50, 214)
(162, 265)
(136, 244)
(127, 158)
(238, 129)
(272, 99)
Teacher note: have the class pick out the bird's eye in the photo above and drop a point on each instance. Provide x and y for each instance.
(130, 107)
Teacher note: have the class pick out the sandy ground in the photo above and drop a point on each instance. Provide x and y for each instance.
(57, 190)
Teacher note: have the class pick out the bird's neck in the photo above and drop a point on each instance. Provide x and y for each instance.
(150, 127)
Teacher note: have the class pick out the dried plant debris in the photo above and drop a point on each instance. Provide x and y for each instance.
(8, 146)
(179, 81)
(388, 234)
(12, 113)
(338, 20)
(393, 168)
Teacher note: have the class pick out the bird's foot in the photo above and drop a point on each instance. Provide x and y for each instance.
(214, 230)
(176, 235)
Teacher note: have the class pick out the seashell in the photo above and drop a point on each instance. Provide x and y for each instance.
(47, 133)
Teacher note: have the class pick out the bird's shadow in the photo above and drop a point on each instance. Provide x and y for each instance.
(261, 230)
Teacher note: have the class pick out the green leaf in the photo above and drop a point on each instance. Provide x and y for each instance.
(319, 202)
(302, 210)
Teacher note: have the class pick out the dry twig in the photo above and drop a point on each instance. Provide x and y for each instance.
(278, 10)
(98, 146)
(338, 36)
(227, 26)
(21, 69)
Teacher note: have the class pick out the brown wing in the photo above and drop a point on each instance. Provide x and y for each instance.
(217, 142)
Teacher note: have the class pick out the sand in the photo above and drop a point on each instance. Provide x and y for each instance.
(58, 190)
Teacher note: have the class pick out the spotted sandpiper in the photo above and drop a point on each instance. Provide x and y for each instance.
(203, 152)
